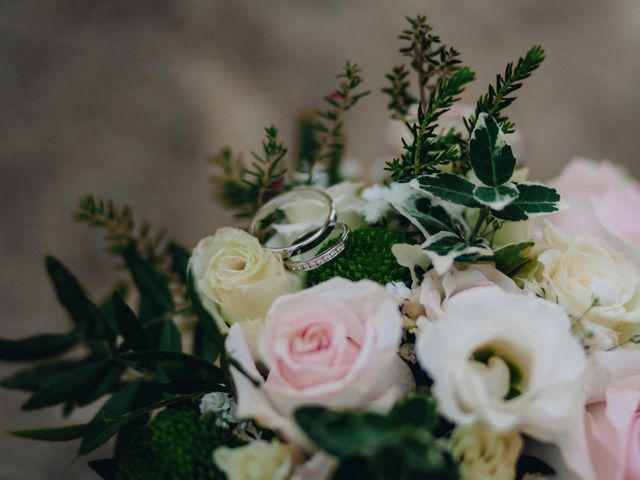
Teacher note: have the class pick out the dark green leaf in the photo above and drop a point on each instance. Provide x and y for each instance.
(175, 365)
(533, 465)
(170, 338)
(106, 306)
(105, 467)
(128, 324)
(179, 260)
(106, 383)
(57, 434)
(37, 347)
(532, 199)
(490, 154)
(151, 283)
(510, 258)
(426, 216)
(449, 187)
(99, 436)
(209, 341)
(67, 385)
(496, 198)
(30, 379)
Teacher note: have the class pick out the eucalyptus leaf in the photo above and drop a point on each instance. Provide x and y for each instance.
(56, 434)
(66, 386)
(37, 347)
(128, 324)
(490, 154)
(30, 379)
(151, 283)
(448, 187)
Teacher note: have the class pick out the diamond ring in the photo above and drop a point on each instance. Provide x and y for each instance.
(303, 265)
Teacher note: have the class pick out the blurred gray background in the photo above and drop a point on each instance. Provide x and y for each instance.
(127, 99)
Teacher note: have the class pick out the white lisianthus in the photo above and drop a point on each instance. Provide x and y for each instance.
(237, 279)
(483, 454)
(304, 214)
(507, 360)
(594, 283)
(258, 460)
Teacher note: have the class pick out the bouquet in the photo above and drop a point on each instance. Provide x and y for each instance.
(447, 318)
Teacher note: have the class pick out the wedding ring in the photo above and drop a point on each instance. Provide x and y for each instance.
(306, 242)
(323, 257)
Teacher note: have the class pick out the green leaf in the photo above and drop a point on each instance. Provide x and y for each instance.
(99, 436)
(87, 317)
(496, 198)
(490, 154)
(179, 260)
(426, 216)
(56, 434)
(128, 324)
(510, 258)
(209, 341)
(105, 467)
(106, 306)
(532, 200)
(170, 338)
(449, 187)
(37, 347)
(151, 283)
(31, 378)
(400, 444)
(67, 385)
(102, 385)
(444, 248)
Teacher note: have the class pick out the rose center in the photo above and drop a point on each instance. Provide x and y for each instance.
(310, 339)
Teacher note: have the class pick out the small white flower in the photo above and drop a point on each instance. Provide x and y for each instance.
(258, 460)
(507, 360)
(484, 454)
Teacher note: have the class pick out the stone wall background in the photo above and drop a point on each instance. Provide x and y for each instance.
(126, 99)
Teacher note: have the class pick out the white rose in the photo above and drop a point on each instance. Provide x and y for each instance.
(258, 460)
(237, 278)
(484, 454)
(504, 359)
(436, 291)
(304, 214)
(594, 283)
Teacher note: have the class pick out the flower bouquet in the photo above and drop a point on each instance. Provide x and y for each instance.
(451, 319)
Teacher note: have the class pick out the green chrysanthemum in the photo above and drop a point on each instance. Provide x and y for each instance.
(367, 255)
(178, 444)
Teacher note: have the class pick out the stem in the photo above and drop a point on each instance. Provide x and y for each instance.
(484, 213)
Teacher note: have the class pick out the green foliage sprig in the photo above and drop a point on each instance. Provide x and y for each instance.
(430, 58)
(247, 188)
(500, 96)
(120, 226)
(425, 153)
(400, 98)
(328, 135)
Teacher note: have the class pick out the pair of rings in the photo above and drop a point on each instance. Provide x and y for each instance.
(294, 254)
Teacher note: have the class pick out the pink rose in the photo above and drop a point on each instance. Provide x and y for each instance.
(436, 291)
(604, 201)
(334, 344)
(606, 446)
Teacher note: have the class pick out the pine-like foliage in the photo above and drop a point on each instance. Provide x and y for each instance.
(430, 58)
(328, 136)
(500, 95)
(121, 228)
(426, 151)
(248, 188)
(400, 98)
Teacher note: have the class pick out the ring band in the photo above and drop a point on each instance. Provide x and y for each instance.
(306, 242)
(321, 258)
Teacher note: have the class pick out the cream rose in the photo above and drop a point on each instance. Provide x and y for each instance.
(237, 278)
(484, 454)
(334, 344)
(258, 460)
(594, 283)
(504, 359)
